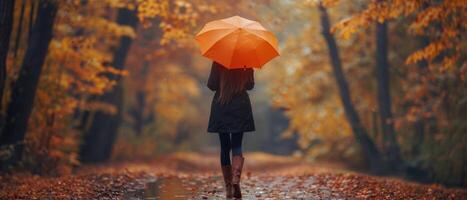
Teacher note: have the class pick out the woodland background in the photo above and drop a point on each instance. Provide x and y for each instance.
(378, 85)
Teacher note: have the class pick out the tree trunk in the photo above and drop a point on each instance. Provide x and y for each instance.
(31, 18)
(384, 97)
(19, 30)
(140, 105)
(100, 136)
(371, 152)
(24, 89)
(7, 9)
(138, 109)
(420, 124)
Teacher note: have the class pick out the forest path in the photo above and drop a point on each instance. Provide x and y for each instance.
(195, 176)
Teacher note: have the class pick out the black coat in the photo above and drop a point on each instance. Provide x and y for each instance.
(236, 115)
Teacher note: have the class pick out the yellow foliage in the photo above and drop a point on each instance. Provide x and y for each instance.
(170, 93)
(304, 87)
(176, 18)
(78, 57)
(430, 17)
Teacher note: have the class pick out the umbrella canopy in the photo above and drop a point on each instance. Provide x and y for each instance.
(236, 42)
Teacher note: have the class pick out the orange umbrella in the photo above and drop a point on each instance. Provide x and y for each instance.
(236, 42)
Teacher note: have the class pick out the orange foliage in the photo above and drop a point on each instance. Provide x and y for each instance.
(77, 66)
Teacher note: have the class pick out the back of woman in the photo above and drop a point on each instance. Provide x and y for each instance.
(231, 108)
(231, 116)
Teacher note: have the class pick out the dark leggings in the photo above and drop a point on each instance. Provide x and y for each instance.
(230, 141)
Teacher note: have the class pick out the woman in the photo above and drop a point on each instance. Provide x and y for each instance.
(231, 116)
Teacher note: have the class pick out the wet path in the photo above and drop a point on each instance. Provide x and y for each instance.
(195, 176)
(271, 177)
(256, 187)
(164, 188)
(206, 182)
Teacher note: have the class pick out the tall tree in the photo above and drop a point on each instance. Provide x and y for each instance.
(19, 30)
(148, 40)
(24, 89)
(6, 24)
(420, 124)
(102, 130)
(140, 105)
(384, 97)
(31, 18)
(371, 152)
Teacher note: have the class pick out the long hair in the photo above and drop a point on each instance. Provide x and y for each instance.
(232, 82)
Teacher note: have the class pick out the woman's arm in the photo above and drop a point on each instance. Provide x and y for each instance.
(251, 81)
(213, 81)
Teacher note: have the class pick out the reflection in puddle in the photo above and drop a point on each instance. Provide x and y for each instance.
(164, 189)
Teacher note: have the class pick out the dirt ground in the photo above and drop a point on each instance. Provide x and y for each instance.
(195, 176)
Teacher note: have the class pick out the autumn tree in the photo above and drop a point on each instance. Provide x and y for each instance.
(6, 22)
(19, 29)
(175, 20)
(384, 98)
(24, 89)
(304, 83)
(358, 129)
(77, 70)
(434, 71)
(100, 136)
(138, 111)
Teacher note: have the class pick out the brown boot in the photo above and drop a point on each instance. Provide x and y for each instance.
(237, 165)
(227, 173)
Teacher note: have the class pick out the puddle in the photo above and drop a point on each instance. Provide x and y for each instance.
(164, 189)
